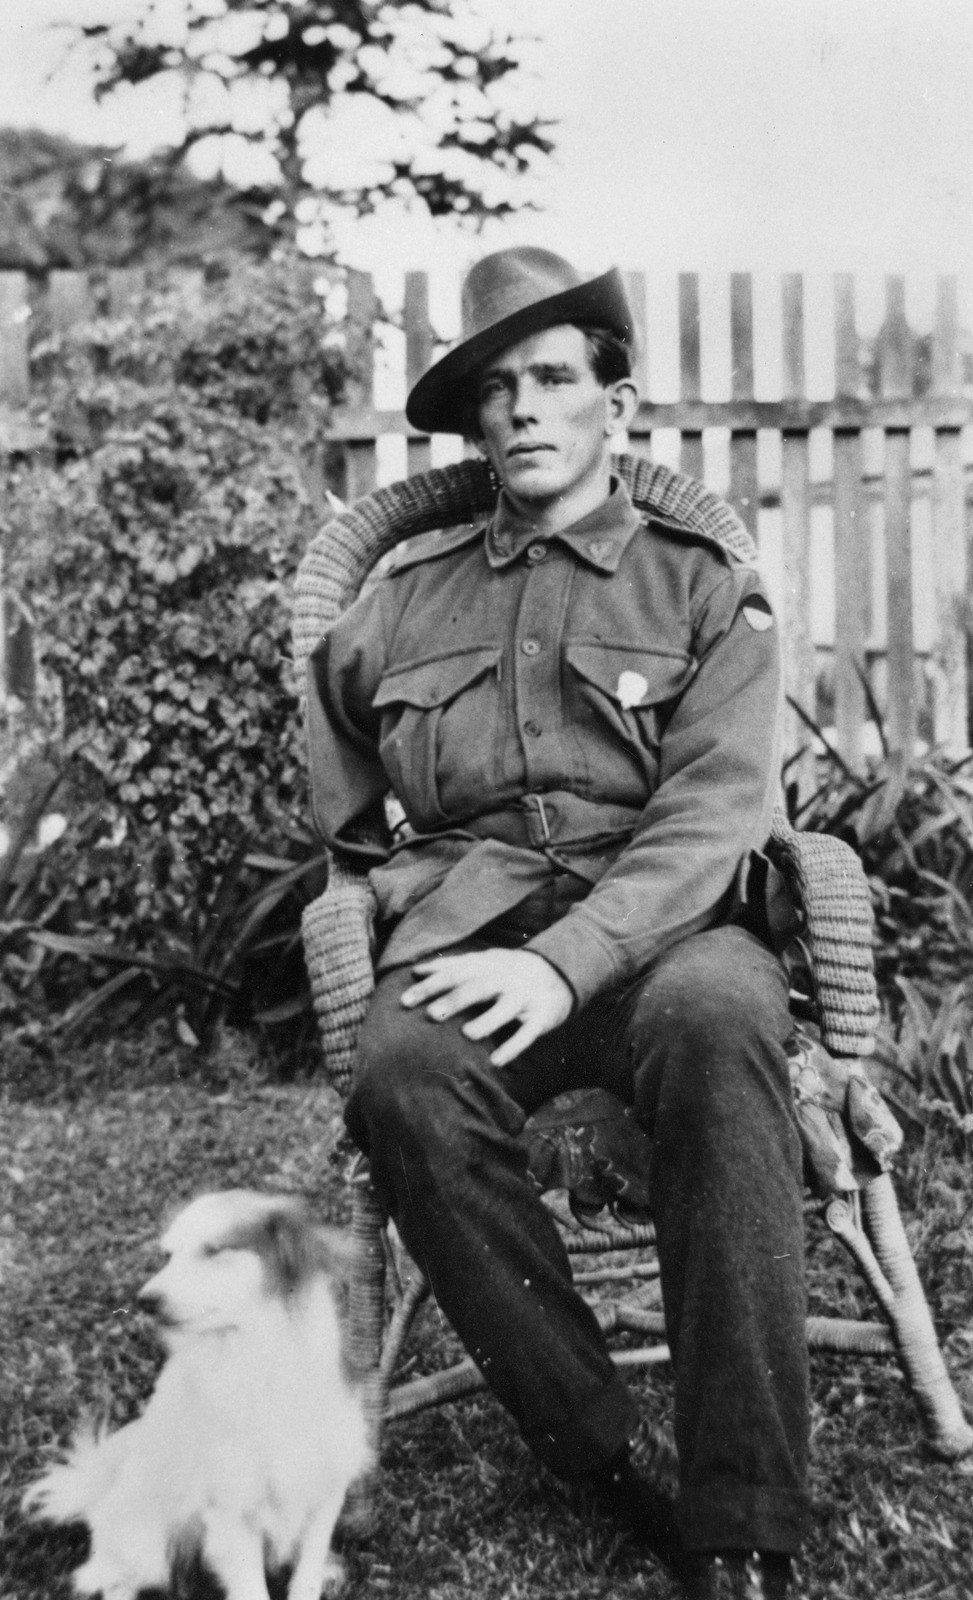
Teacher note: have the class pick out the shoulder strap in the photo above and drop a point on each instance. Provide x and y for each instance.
(340, 558)
(430, 546)
(687, 505)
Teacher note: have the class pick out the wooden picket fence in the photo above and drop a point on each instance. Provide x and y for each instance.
(919, 678)
(873, 636)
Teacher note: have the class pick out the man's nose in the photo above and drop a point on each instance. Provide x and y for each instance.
(523, 405)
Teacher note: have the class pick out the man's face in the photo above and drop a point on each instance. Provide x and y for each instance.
(545, 420)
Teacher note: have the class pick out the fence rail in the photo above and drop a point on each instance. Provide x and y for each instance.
(869, 562)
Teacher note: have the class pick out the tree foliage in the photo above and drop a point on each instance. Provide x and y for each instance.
(70, 205)
(299, 88)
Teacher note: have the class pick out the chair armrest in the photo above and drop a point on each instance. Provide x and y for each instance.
(831, 886)
(338, 948)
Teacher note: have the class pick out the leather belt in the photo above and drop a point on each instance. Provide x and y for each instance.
(556, 819)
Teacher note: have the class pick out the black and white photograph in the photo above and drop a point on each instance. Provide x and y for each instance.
(486, 800)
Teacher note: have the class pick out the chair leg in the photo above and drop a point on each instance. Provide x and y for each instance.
(882, 1252)
(365, 1330)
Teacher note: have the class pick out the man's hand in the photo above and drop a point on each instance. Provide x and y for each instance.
(523, 987)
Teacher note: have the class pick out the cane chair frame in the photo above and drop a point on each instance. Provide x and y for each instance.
(387, 1289)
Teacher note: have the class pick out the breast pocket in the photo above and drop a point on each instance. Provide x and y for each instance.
(626, 690)
(438, 736)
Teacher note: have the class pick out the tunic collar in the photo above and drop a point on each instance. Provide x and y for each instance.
(599, 538)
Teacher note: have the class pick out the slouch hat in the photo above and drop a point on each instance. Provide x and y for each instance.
(506, 297)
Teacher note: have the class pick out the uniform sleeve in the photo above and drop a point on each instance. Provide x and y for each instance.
(718, 783)
(348, 781)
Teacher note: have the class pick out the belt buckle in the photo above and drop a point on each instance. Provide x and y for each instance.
(536, 802)
(547, 847)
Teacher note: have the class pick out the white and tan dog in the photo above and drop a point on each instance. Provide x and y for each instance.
(254, 1433)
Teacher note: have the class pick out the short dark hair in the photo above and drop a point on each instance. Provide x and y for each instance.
(611, 357)
(611, 361)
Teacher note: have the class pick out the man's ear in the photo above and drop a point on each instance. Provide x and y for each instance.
(622, 399)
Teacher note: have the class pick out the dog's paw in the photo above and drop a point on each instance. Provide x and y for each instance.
(334, 1576)
(332, 1582)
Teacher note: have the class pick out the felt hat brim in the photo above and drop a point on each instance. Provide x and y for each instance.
(438, 402)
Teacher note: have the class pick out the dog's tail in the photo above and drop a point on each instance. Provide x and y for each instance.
(68, 1489)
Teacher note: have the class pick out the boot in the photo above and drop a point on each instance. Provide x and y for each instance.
(764, 1575)
(642, 1502)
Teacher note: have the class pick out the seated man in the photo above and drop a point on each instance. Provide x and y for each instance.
(578, 708)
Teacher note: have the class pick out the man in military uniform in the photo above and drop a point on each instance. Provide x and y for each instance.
(578, 708)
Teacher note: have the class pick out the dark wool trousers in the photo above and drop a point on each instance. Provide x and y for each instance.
(697, 1045)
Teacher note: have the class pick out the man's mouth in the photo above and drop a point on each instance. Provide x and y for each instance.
(527, 449)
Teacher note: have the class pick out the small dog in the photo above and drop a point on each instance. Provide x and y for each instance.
(254, 1433)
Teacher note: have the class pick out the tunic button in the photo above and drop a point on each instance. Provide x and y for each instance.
(530, 647)
(533, 728)
(536, 552)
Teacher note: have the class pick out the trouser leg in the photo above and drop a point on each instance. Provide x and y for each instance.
(705, 1034)
(697, 1042)
(439, 1125)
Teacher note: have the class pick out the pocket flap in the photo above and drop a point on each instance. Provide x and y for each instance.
(432, 683)
(631, 676)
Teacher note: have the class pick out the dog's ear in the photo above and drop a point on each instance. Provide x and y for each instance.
(288, 1246)
(293, 1249)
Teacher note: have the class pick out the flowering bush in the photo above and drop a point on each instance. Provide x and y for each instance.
(155, 545)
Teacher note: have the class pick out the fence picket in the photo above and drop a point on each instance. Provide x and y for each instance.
(360, 452)
(744, 490)
(14, 316)
(852, 554)
(950, 686)
(795, 501)
(68, 300)
(635, 287)
(690, 370)
(125, 286)
(418, 356)
(895, 380)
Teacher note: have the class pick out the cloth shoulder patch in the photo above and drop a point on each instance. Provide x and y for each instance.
(756, 611)
(654, 522)
(430, 546)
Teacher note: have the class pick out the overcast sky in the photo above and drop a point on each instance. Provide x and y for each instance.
(770, 135)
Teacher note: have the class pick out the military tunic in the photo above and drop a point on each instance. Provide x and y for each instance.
(582, 730)
(601, 705)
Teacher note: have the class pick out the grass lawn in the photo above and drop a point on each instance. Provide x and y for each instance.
(94, 1156)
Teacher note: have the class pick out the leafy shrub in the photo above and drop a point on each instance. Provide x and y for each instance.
(237, 959)
(913, 828)
(28, 902)
(930, 1057)
(155, 544)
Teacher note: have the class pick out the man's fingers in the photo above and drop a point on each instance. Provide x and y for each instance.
(438, 982)
(516, 1044)
(503, 986)
(432, 964)
(460, 997)
(503, 1010)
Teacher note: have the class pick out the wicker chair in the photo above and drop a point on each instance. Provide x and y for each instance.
(388, 1289)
